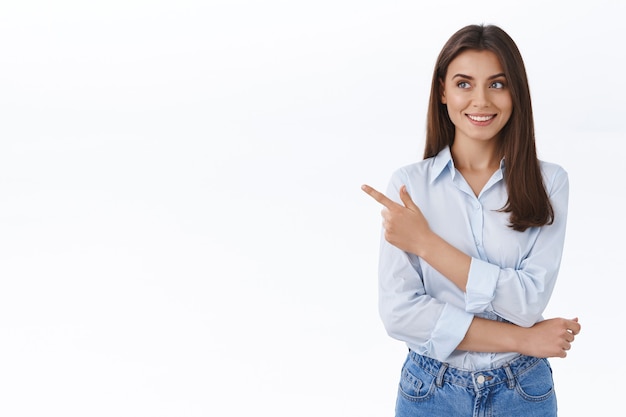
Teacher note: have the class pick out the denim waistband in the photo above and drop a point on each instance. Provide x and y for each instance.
(476, 379)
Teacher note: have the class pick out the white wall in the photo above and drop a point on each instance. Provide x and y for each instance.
(182, 231)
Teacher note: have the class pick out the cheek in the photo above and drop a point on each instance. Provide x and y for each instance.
(505, 104)
(457, 107)
(507, 110)
(455, 102)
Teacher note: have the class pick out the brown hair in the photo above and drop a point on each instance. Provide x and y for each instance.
(528, 201)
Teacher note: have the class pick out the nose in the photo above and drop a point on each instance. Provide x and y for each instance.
(480, 98)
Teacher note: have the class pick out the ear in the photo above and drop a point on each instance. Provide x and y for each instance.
(442, 91)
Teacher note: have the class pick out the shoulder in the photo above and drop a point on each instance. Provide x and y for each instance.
(418, 172)
(415, 176)
(428, 168)
(551, 170)
(416, 168)
(554, 175)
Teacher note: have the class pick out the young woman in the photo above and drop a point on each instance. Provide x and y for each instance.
(473, 237)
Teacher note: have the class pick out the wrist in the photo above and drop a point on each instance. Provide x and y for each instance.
(518, 339)
(426, 244)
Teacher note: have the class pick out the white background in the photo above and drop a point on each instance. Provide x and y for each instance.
(182, 231)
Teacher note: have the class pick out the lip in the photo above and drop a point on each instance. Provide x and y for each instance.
(480, 119)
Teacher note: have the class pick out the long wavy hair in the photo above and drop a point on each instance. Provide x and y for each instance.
(528, 202)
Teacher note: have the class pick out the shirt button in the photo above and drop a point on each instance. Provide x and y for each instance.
(480, 379)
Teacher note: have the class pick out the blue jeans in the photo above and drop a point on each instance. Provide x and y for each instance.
(521, 388)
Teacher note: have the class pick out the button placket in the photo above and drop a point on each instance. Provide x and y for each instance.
(476, 224)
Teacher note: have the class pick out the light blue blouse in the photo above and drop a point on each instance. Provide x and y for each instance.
(511, 277)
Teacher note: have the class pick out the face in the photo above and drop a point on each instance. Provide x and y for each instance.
(477, 96)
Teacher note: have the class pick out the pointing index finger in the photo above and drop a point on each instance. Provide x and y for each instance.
(378, 196)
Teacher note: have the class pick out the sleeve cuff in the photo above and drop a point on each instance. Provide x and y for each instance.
(449, 332)
(481, 286)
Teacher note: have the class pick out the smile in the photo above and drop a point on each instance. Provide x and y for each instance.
(481, 118)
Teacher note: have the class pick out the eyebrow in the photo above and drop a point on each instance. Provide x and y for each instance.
(471, 78)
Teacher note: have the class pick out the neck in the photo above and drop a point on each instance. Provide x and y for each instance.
(475, 155)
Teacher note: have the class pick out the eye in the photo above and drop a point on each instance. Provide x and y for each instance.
(463, 84)
(497, 85)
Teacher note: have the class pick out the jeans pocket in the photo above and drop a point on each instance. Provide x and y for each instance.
(536, 384)
(415, 383)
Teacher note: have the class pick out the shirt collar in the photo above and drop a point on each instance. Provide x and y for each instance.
(443, 160)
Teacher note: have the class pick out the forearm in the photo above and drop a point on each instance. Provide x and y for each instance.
(406, 228)
(486, 335)
(548, 338)
(445, 258)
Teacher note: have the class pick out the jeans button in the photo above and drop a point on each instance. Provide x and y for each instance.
(480, 379)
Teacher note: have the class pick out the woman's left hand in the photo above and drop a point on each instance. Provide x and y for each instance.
(405, 225)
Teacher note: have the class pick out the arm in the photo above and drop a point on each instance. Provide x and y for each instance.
(407, 228)
(548, 338)
(521, 293)
(518, 294)
(428, 325)
(437, 328)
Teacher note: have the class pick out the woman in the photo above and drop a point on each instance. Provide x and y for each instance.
(473, 237)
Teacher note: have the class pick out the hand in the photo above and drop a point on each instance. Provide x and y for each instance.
(405, 226)
(550, 338)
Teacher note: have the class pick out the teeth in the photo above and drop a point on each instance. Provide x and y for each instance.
(480, 118)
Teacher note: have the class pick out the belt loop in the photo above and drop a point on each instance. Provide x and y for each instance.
(509, 376)
(442, 371)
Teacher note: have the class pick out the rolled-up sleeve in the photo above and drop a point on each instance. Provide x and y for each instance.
(427, 325)
(521, 294)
